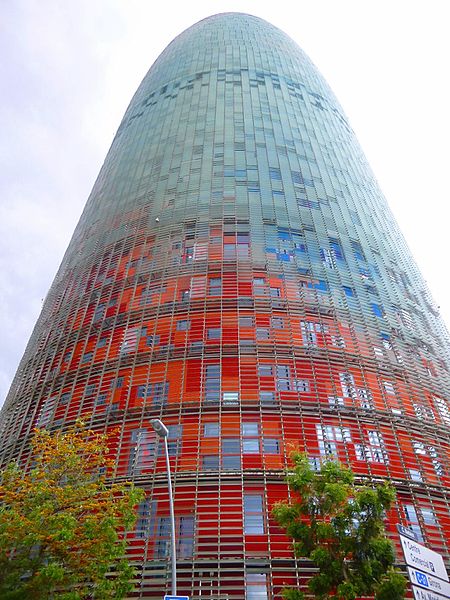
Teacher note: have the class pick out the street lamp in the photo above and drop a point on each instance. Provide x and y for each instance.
(163, 432)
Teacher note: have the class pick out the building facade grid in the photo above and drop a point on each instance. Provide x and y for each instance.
(237, 273)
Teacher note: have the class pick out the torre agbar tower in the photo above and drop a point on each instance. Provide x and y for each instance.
(238, 274)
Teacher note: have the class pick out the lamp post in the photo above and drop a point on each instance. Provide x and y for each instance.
(163, 432)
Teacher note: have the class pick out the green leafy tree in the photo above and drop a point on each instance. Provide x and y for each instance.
(338, 525)
(61, 521)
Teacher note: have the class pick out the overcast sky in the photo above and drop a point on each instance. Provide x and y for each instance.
(69, 69)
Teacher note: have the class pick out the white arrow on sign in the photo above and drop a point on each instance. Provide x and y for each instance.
(423, 559)
(421, 594)
(429, 582)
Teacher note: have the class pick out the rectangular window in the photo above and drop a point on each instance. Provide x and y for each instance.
(256, 586)
(357, 250)
(86, 358)
(211, 430)
(277, 323)
(145, 519)
(215, 286)
(267, 397)
(230, 397)
(415, 475)
(428, 516)
(336, 249)
(212, 383)
(309, 335)
(271, 446)
(413, 521)
(210, 462)
(214, 333)
(245, 322)
(301, 385)
(250, 438)
(142, 453)
(265, 370)
(350, 292)
(183, 325)
(253, 514)
(443, 409)
(262, 333)
(348, 385)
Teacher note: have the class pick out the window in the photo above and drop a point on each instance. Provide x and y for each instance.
(443, 409)
(428, 516)
(152, 340)
(373, 452)
(347, 384)
(357, 250)
(271, 446)
(336, 401)
(174, 438)
(415, 475)
(86, 358)
(185, 537)
(389, 388)
(250, 438)
(259, 286)
(308, 333)
(336, 249)
(265, 370)
(102, 342)
(215, 286)
(267, 397)
(211, 430)
(301, 385)
(256, 586)
(262, 333)
(183, 325)
(145, 519)
(277, 323)
(231, 453)
(46, 412)
(283, 378)
(365, 398)
(275, 292)
(65, 398)
(214, 333)
(413, 521)
(210, 462)
(350, 292)
(329, 435)
(377, 309)
(185, 295)
(157, 392)
(130, 340)
(425, 413)
(245, 322)
(212, 383)
(253, 514)
(142, 453)
(231, 397)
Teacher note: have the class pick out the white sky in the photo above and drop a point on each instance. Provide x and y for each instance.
(69, 69)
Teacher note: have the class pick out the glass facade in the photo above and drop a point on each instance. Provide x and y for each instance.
(237, 273)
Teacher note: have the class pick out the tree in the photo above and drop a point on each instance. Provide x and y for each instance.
(61, 521)
(338, 525)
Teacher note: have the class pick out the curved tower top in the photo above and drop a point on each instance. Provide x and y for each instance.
(238, 274)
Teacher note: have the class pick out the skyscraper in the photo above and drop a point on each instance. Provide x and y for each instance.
(237, 273)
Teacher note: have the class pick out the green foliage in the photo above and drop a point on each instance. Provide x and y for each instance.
(60, 521)
(339, 526)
